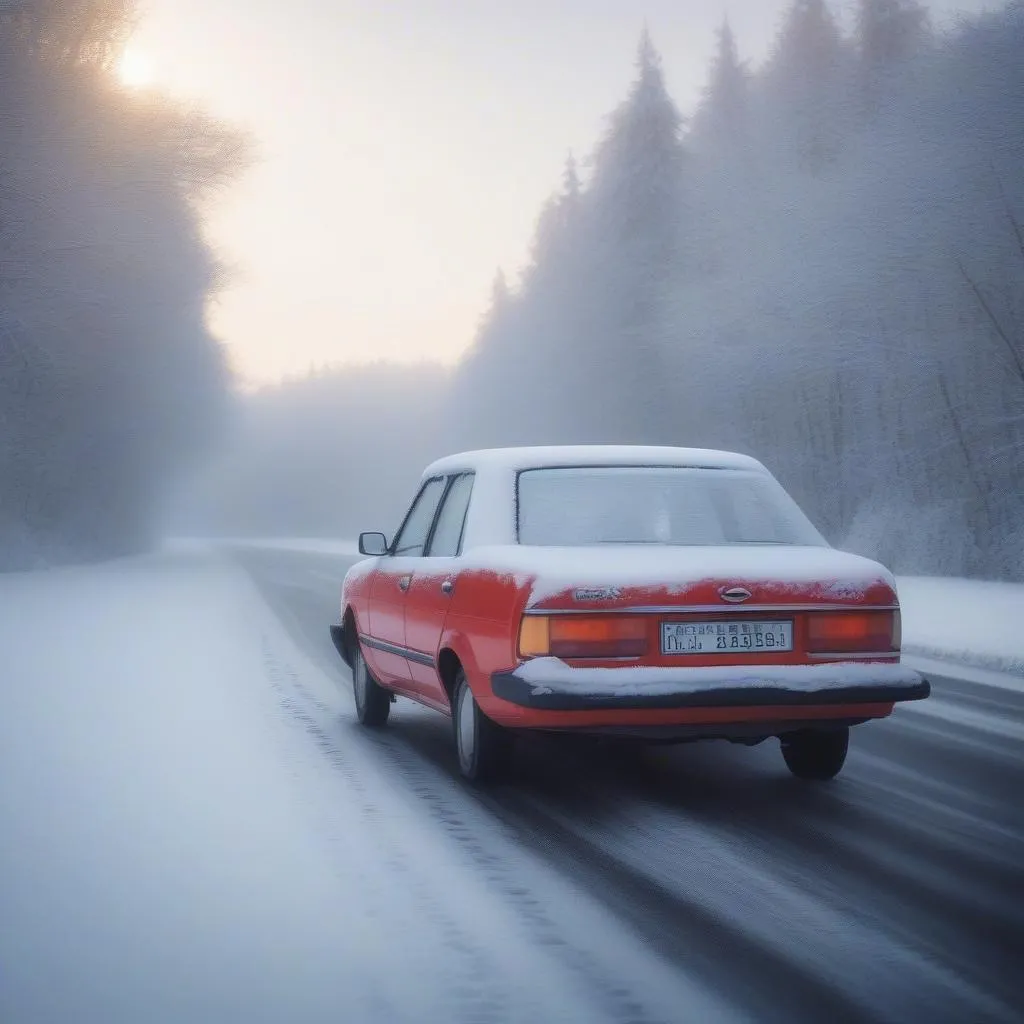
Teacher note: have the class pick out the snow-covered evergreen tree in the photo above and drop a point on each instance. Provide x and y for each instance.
(720, 124)
(110, 380)
(888, 34)
(807, 86)
(635, 245)
(637, 192)
(553, 238)
(890, 31)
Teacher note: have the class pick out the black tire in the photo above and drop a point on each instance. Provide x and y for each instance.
(373, 702)
(483, 748)
(815, 754)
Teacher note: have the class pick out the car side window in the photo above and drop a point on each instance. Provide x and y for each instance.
(412, 538)
(447, 538)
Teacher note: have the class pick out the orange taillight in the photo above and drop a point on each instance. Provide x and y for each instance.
(855, 632)
(582, 636)
(534, 636)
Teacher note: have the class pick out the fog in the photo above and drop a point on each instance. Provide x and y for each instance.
(822, 266)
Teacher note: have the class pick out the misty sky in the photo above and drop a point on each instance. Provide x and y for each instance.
(405, 148)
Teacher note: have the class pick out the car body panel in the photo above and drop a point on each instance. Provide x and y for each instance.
(384, 632)
(426, 609)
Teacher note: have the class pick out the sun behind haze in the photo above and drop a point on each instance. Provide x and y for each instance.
(135, 69)
(404, 149)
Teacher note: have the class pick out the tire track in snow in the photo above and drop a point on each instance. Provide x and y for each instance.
(615, 999)
(474, 996)
(448, 809)
(872, 849)
(762, 903)
(781, 938)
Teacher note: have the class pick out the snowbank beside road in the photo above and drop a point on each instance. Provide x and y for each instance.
(973, 621)
(309, 545)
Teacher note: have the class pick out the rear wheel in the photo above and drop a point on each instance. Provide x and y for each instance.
(373, 702)
(815, 754)
(483, 747)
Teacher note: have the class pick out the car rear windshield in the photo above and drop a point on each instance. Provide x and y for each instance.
(586, 505)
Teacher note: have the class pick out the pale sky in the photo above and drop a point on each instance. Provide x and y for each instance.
(405, 149)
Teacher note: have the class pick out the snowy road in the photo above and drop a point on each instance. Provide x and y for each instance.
(206, 835)
(891, 895)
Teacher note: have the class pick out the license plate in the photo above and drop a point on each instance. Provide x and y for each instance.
(725, 637)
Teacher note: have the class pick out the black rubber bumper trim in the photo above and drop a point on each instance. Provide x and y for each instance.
(338, 639)
(510, 687)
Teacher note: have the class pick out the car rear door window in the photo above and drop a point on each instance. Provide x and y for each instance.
(447, 538)
(412, 538)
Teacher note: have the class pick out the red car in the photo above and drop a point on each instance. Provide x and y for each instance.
(667, 594)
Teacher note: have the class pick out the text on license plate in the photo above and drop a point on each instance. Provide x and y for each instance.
(723, 637)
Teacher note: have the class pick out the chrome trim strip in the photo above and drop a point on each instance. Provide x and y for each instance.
(712, 609)
(402, 652)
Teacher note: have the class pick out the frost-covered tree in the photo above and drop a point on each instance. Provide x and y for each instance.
(888, 34)
(110, 379)
(720, 124)
(635, 244)
(558, 219)
(637, 190)
(581, 342)
(89, 33)
(806, 84)
(890, 31)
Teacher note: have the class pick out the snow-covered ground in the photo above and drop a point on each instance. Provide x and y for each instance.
(192, 829)
(973, 621)
(311, 545)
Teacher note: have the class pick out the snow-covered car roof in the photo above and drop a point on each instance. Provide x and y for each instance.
(491, 518)
(538, 457)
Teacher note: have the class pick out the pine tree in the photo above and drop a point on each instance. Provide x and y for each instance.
(635, 208)
(889, 33)
(638, 169)
(721, 121)
(553, 237)
(806, 78)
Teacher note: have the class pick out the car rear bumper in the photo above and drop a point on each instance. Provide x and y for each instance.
(551, 685)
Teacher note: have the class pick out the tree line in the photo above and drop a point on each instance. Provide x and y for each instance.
(822, 265)
(110, 382)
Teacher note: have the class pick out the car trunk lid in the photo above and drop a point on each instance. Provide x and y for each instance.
(730, 578)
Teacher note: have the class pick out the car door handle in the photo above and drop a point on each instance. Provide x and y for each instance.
(448, 586)
(403, 582)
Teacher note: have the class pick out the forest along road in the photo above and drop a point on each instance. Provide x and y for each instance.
(891, 894)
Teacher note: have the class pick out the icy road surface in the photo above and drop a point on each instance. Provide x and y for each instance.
(192, 828)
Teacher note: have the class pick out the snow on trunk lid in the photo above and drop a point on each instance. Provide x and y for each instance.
(707, 577)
